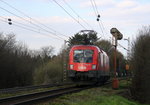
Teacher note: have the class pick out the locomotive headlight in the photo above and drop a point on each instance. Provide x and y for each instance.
(71, 66)
(93, 66)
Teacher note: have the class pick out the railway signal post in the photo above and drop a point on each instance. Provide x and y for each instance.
(118, 36)
(64, 74)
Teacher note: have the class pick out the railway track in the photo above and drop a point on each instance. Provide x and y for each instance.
(33, 98)
(38, 97)
(28, 88)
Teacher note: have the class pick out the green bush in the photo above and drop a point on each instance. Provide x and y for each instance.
(49, 73)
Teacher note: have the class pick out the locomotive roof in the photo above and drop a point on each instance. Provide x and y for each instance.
(84, 45)
(92, 46)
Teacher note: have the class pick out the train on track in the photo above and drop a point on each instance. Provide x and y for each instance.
(88, 63)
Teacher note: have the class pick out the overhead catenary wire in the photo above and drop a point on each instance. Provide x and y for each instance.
(32, 18)
(123, 47)
(96, 14)
(69, 14)
(52, 33)
(43, 34)
(78, 14)
(101, 25)
(20, 23)
(20, 26)
(101, 28)
(100, 19)
(94, 8)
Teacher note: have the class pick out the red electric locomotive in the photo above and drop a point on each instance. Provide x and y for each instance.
(88, 63)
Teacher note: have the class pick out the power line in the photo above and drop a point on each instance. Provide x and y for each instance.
(77, 14)
(30, 22)
(37, 32)
(101, 28)
(100, 19)
(123, 47)
(31, 30)
(96, 14)
(24, 26)
(21, 23)
(69, 14)
(31, 18)
(101, 25)
(93, 8)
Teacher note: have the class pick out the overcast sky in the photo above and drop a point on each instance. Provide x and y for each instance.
(40, 23)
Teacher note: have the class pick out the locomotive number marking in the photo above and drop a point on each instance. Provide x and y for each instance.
(82, 67)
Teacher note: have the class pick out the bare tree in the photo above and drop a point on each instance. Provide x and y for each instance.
(140, 61)
(47, 52)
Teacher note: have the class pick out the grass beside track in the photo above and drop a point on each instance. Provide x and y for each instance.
(97, 96)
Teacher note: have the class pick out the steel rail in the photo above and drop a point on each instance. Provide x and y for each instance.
(37, 97)
(27, 88)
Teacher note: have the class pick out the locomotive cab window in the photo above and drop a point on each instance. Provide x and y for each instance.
(83, 56)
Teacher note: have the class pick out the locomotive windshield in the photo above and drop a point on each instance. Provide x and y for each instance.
(83, 56)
